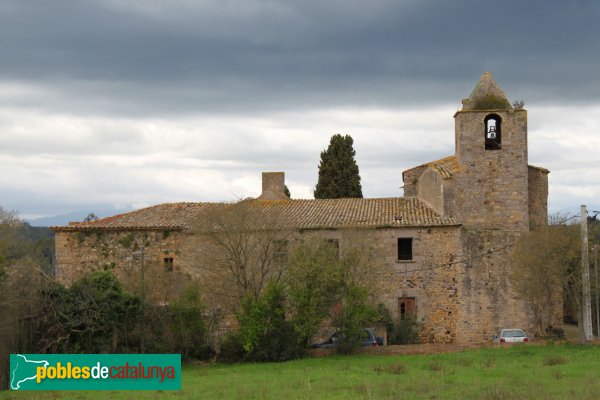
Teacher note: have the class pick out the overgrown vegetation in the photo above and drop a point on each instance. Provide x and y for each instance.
(492, 102)
(271, 287)
(96, 314)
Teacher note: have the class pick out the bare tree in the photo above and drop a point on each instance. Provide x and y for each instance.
(546, 267)
(244, 248)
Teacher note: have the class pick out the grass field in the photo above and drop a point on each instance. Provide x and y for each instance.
(518, 372)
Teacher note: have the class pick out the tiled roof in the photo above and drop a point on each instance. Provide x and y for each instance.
(292, 214)
(446, 166)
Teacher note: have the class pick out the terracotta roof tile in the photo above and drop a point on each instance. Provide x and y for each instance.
(292, 214)
(446, 166)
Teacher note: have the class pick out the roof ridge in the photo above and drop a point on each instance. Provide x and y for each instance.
(295, 214)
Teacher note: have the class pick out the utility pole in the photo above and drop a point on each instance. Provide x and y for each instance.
(143, 293)
(597, 305)
(586, 306)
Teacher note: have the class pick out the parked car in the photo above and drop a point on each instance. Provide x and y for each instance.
(366, 338)
(511, 336)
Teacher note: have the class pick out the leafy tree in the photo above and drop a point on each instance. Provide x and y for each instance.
(351, 314)
(189, 324)
(91, 316)
(313, 280)
(338, 171)
(265, 332)
(324, 283)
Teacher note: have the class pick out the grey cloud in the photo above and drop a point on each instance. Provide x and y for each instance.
(236, 56)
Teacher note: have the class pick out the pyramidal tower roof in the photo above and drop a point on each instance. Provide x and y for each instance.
(487, 95)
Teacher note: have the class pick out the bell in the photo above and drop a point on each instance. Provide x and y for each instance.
(492, 133)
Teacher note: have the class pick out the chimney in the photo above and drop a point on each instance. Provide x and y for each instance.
(273, 186)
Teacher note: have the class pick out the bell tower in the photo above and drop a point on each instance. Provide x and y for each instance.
(491, 191)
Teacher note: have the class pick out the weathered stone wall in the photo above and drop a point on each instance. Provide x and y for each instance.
(461, 296)
(491, 191)
(433, 284)
(80, 252)
(538, 196)
(427, 277)
(489, 303)
(410, 178)
(430, 190)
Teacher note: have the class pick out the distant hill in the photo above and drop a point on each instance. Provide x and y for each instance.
(75, 216)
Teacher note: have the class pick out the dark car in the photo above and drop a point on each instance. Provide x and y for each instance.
(366, 338)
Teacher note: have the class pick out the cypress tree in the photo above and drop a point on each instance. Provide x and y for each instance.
(338, 171)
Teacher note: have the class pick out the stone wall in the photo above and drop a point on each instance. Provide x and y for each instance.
(538, 196)
(489, 301)
(491, 191)
(410, 178)
(460, 295)
(434, 288)
(430, 189)
(80, 252)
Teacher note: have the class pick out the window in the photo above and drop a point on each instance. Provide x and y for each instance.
(405, 248)
(493, 132)
(406, 307)
(168, 262)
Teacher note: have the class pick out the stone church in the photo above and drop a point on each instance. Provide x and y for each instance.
(443, 250)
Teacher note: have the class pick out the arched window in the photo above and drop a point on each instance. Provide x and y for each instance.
(493, 132)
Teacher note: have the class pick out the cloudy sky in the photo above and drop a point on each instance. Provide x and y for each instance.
(113, 105)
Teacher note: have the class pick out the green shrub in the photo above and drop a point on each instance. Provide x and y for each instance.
(94, 315)
(266, 334)
(405, 331)
(232, 348)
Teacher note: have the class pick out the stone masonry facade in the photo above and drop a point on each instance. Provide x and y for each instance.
(440, 253)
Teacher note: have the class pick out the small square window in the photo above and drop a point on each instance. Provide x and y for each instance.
(168, 262)
(405, 248)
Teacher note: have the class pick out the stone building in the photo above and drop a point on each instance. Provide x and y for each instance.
(442, 250)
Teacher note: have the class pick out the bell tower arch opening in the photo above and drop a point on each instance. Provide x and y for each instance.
(492, 125)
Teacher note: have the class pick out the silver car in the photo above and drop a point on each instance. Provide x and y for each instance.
(511, 336)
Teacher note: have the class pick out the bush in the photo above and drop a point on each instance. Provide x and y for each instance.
(94, 315)
(232, 348)
(405, 331)
(179, 327)
(189, 326)
(265, 333)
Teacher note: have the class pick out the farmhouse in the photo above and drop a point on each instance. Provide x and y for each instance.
(442, 252)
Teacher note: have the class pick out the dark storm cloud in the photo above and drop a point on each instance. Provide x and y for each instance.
(234, 56)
